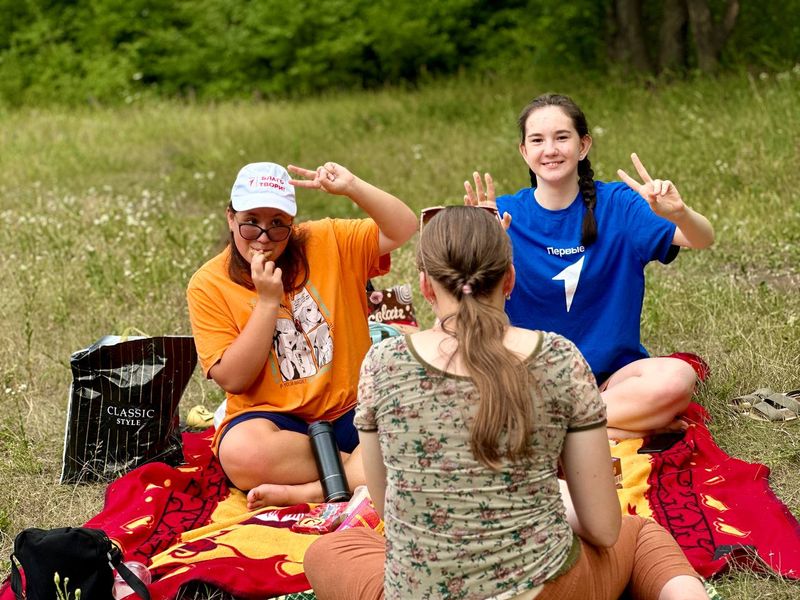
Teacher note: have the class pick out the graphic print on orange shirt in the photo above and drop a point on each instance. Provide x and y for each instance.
(302, 342)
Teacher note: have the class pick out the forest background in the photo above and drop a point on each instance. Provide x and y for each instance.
(112, 51)
(123, 123)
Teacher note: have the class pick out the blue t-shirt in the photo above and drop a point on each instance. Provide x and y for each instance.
(592, 296)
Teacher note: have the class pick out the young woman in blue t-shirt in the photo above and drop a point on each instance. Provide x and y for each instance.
(580, 249)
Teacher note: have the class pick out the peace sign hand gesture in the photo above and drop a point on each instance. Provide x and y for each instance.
(330, 177)
(660, 194)
(478, 197)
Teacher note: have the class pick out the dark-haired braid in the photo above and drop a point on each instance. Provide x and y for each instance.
(586, 185)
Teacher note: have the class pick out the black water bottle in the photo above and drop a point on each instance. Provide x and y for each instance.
(329, 462)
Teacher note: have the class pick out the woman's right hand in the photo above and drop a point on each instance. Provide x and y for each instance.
(243, 362)
(266, 279)
(479, 197)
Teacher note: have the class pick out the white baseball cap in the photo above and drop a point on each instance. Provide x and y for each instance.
(263, 185)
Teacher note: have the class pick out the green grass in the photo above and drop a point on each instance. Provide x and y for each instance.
(105, 214)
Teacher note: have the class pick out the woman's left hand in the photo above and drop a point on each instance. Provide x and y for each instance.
(660, 194)
(478, 197)
(330, 177)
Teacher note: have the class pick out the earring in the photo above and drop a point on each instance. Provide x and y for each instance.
(508, 296)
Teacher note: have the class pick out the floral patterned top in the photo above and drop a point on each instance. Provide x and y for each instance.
(455, 528)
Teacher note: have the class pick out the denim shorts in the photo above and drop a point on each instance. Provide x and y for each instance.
(343, 428)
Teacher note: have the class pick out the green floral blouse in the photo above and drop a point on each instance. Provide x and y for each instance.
(455, 528)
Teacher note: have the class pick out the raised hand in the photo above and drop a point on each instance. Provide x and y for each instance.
(479, 197)
(330, 177)
(660, 194)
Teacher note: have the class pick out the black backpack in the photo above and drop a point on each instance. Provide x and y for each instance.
(83, 558)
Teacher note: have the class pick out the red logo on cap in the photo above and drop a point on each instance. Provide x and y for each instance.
(264, 182)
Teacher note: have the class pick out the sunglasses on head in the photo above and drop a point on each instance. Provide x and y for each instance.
(426, 214)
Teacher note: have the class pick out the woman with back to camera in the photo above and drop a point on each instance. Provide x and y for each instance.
(279, 320)
(462, 427)
(580, 250)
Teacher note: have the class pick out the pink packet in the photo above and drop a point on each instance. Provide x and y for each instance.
(323, 518)
(363, 515)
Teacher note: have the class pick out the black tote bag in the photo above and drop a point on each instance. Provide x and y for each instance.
(123, 405)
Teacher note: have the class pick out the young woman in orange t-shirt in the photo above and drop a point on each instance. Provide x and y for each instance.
(279, 320)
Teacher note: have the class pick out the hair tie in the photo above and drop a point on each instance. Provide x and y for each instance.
(466, 289)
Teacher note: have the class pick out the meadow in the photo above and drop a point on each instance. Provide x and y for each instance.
(106, 212)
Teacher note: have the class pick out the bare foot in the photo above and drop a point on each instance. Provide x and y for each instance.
(272, 494)
(676, 425)
(615, 433)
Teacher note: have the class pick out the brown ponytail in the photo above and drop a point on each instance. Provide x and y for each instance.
(462, 247)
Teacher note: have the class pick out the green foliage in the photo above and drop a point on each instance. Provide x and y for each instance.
(109, 50)
(570, 34)
(117, 51)
(767, 35)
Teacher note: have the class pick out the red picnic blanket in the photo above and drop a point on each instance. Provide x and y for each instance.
(188, 525)
(720, 509)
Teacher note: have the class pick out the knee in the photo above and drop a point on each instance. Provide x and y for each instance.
(242, 477)
(633, 523)
(675, 384)
(317, 566)
(317, 555)
(241, 463)
(346, 564)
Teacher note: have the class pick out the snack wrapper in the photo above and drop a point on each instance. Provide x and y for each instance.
(335, 516)
(323, 518)
(361, 512)
(393, 306)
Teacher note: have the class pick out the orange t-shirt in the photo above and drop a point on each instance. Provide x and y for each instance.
(321, 334)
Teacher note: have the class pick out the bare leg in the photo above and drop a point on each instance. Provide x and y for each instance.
(648, 395)
(256, 451)
(270, 494)
(629, 434)
(278, 494)
(683, 587)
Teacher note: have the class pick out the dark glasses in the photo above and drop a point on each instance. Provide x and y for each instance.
(426, 214)
(276, 233)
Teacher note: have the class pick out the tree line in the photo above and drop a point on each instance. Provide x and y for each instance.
(111, 51)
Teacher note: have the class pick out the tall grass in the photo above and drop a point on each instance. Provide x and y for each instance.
(105, 214)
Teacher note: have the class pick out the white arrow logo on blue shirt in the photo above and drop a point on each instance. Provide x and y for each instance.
(570, 276)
